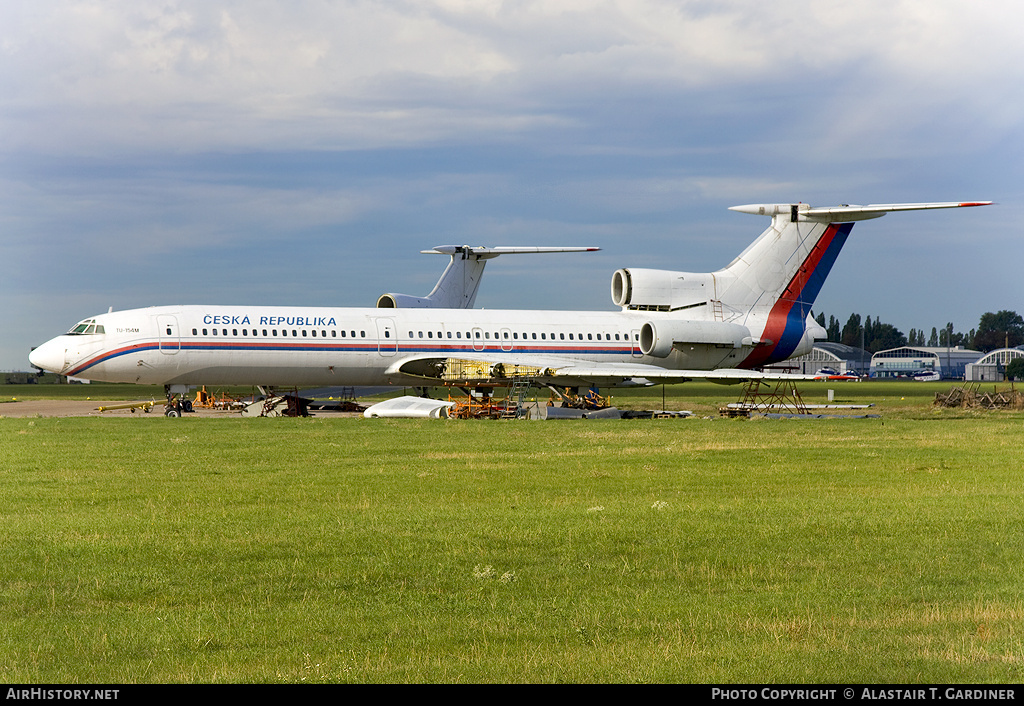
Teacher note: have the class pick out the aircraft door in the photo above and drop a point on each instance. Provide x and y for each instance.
(387, 339)
(478, 339)
(506, 339)
(167, 331)
(634, 344)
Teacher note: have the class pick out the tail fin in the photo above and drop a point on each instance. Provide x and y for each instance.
(772, 285)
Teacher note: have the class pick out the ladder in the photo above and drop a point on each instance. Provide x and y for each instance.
(716, 310)
(514, 399)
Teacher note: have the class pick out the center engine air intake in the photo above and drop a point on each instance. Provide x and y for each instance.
(661, 290)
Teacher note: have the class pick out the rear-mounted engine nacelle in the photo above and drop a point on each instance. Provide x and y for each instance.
(658, 337)
(661, 290)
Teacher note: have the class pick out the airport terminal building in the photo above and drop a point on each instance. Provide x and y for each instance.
(949, 363)
(992, 366)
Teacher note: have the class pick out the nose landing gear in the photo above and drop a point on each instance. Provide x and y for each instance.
(177, 404)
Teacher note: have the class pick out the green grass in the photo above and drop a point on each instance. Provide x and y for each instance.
(147, 549)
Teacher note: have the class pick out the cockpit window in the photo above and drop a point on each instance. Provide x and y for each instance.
(86, 327)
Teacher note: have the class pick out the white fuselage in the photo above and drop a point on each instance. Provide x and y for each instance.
(314, 346)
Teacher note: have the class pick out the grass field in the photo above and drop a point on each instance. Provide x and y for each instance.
(148, 549)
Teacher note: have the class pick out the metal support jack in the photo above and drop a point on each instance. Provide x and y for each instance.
(784, 397)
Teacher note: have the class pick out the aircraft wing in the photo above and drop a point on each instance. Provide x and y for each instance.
(613, 374)
(555, 370)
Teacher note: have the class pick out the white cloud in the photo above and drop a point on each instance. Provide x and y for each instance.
(191, 75)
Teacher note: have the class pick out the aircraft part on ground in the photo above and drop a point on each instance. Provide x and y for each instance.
(410, 407)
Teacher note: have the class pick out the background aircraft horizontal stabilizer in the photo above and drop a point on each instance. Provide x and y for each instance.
(487, 253)
(460, 281)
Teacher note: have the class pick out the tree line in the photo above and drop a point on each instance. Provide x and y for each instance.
(1002, 329)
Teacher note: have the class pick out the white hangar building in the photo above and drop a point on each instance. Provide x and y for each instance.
(950, 363)
(991, 367)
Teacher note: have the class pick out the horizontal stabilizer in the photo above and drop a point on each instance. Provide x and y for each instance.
(846, 212)
(488, 253)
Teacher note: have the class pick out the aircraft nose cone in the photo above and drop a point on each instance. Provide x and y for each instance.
(48, 356)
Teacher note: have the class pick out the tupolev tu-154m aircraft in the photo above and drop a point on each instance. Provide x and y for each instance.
(671, 326)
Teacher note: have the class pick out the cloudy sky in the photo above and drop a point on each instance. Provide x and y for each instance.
(304, 152)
